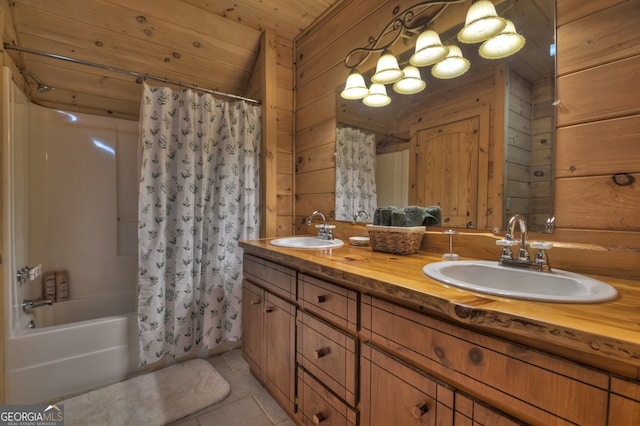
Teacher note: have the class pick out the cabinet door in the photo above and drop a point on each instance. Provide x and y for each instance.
(279, 334)
(471, 412)
(252, 326)
(394, 393)
(624, 402)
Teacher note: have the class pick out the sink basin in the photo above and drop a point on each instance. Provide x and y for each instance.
(306, 243)
(491, 278)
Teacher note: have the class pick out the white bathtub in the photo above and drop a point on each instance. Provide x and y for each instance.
(47, 363)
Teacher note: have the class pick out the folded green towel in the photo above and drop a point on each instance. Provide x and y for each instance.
(414, 215)
(382, 215)
(399, 218)
(407, 216)
(432, 216)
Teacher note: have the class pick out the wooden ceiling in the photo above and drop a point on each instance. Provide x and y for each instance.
(210, 43)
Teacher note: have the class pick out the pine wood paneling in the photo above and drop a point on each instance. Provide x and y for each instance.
(607, 206)
(598, 57)
(318, 158)
(607, 91)
(599, 38)
(571, 10)
(601, 147)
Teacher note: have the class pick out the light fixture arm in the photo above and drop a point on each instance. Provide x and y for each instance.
(400, 24)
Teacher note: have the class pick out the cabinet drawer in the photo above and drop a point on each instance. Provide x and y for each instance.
(278, 279)
(471, 412)
(329, 354)
(317, 405)
(394, 393)
(503, 374)
(334, 303)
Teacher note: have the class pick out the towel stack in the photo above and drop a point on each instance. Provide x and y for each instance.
(407, 216)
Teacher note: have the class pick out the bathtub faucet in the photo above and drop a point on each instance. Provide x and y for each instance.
(29, 305)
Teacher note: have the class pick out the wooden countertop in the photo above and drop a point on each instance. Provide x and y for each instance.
(604, 335)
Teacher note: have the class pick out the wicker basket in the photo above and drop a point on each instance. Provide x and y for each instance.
(396, 239)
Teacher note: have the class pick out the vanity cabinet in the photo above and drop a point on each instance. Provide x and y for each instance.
(529, 385)
(327, 352)
(269, 326)
(338, 356)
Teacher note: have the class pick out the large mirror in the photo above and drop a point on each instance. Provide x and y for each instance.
(479, 145)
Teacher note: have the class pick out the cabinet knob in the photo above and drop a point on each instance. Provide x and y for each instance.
(322, 299)
(269, 309)
(319, 418)
(255, 302)
(319, 353)
(420, 410)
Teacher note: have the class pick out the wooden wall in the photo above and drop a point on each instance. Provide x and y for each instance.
(598, 121)
(271, 82)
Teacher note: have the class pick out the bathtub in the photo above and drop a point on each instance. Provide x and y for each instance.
(73, 348)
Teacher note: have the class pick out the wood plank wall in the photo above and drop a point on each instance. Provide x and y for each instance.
(598, 121)
(271, 82)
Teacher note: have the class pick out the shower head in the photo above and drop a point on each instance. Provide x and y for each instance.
(42, 87)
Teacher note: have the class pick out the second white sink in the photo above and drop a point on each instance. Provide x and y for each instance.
(489, 277)
(306, 243)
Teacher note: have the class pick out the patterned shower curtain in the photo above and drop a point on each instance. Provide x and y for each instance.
(199, 195)
(355, 173)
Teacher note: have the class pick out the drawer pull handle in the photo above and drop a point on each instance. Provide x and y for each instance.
(269, 309)
(255, 302)
(319, 353)
(322, 299)
(319, 418)
(420, 410)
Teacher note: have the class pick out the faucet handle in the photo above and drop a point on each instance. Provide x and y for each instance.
(541, 245)
(320, 225)
(507, 243)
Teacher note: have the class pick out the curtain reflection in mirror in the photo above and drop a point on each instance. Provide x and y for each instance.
(355, 173)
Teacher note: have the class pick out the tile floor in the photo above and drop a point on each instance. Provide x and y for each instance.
(247, 404)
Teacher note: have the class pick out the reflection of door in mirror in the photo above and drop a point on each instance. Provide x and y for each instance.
(446, 170)
(449, 166)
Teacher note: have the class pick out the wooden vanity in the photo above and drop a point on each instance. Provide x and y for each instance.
(354, 337)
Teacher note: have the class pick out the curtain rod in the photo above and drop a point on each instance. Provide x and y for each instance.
(377, 132)
(139, 77)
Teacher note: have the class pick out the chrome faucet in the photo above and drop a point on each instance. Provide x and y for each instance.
(523, 260)
(325, 231)
(359, 213)
(29, 305)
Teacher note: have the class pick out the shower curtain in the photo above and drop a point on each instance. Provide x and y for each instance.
(355, 173)
(198, 196)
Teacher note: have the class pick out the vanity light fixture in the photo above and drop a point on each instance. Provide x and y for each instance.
(411, 83)
(355, 88)
(454, 65)
(504, 44)
(482, 24)
(377, 96)
(387, 71)
(429, 49)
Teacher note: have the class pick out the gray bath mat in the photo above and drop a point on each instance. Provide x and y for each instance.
(155, 398)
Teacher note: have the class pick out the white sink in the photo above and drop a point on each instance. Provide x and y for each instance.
(491, 278)
(306, 243)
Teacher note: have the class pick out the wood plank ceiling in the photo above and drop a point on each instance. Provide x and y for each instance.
(210, 43)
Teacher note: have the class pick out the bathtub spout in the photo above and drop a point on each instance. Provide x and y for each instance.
(29, 305)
